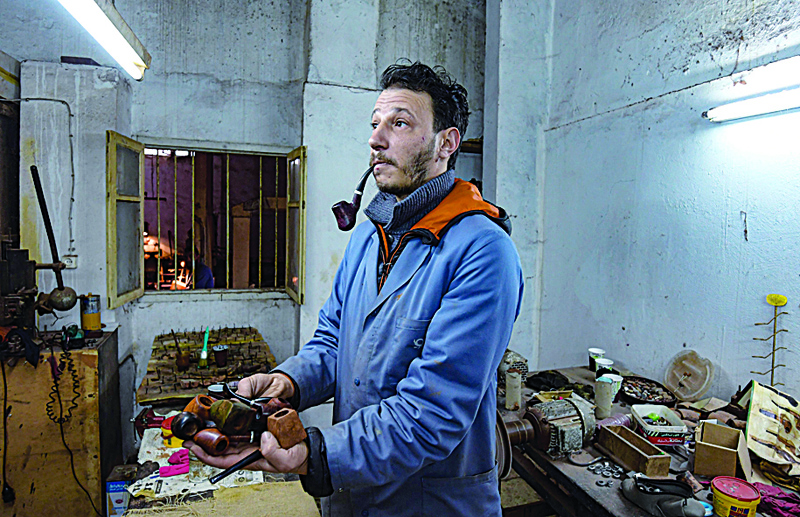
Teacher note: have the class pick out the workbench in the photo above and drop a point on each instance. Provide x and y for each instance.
(571, 490)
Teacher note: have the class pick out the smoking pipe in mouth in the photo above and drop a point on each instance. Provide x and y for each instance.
(346, 212)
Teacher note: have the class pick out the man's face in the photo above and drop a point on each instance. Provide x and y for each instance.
(403, 141)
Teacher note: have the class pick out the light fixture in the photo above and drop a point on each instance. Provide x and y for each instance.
(102, 20)
(762, 105)
(773, 88)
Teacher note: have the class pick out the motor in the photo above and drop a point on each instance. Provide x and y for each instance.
(346, 212)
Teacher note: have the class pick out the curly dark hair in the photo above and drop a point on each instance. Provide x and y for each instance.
(450, 107)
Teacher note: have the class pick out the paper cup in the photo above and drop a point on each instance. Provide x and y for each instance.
(603, 395)
(616, 380)
(594, 353)
(604, 365)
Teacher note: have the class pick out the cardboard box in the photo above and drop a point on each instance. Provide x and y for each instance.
(117, 495)
(721, 451)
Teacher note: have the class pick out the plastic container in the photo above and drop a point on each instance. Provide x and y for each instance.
(734, 497)
(595, 353)
(673, 434)
(90, 312)
(689, 376)
(603, 365)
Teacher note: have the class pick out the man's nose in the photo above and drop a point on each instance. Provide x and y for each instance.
(377, 140)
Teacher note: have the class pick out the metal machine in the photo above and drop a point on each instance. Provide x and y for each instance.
(557, 427)
(19, 297)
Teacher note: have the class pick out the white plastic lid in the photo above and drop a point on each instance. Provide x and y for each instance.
(689, 376)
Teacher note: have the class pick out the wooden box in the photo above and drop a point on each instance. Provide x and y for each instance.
(633, 452)
(38, 466)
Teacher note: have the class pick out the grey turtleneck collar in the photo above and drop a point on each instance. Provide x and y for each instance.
(399, 217)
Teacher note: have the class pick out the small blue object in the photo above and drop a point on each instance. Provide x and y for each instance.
(709, 508)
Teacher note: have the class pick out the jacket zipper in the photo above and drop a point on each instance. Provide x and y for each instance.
(386, 265)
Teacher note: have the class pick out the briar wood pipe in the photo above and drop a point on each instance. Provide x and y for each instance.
(212, 441)
(346, 212)
(288, 430)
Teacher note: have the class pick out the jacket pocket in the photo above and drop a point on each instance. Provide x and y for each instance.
(467, 495)
(394, 356)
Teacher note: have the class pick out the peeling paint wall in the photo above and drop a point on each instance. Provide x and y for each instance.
(664, 232)
(607, 55)
(444, 32)
(222, 72)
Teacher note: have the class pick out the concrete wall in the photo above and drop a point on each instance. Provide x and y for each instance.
(223, 76)
(339, 98)
(629, 209)
(85, 102)
(227, 73)
(664, 232)
(516, 114)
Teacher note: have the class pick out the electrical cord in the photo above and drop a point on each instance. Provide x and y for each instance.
(66, 358)
(8, 492)
(61, 419)
(71, 248)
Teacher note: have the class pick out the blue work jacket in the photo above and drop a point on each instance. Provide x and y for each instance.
(412, 365)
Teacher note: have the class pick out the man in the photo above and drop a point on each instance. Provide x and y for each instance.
(409, 341)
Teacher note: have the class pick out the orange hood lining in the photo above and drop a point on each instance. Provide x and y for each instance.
(463, 199)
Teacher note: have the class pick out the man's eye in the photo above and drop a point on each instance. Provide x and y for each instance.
(374, 125)
(400, 123)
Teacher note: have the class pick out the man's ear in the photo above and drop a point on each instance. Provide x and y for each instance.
(449, 141)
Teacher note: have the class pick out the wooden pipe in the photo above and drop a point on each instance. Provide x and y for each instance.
(185, 425)
(200, 406)
(287, 428)
(232, 416)
(212, 441)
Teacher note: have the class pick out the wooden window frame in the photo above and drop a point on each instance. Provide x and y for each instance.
(116, 299)
(114, 139)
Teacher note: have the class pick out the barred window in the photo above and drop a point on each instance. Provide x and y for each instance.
(223, 220)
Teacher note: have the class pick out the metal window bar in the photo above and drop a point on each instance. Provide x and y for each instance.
(158, 221)
(260, 215)
(275, 260)
(175, 218)
(191, 223)
(227, 220)
(228, 237)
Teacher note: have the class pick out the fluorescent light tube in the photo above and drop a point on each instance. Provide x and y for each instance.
(762, 105)
(102, 20)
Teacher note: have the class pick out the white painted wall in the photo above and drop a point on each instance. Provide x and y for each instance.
(98, 99)
(644, 202)
(517, 94)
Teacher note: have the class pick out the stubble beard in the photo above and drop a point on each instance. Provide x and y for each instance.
(416, 171)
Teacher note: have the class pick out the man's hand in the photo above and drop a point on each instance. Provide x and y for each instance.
(275, 459)
(276, 385)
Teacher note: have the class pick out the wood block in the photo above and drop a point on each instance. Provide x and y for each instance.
(633, 452)
(287, 428)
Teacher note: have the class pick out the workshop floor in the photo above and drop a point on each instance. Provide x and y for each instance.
(520, 500)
